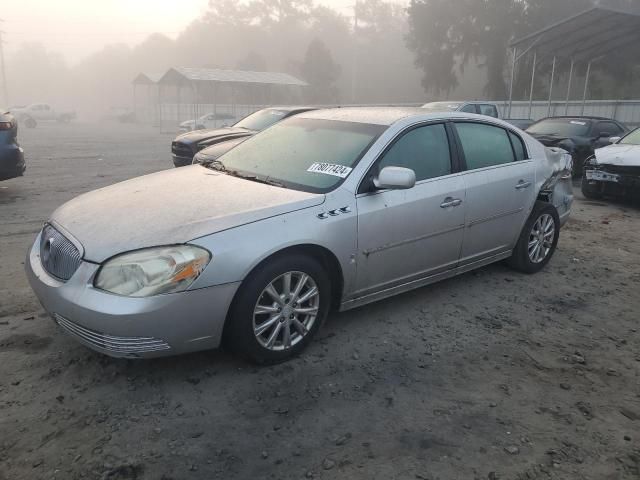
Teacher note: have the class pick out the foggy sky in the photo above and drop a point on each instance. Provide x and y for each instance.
(77, 28)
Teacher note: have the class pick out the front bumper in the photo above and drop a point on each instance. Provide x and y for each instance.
(182, 161)
(612, 183)
(130, 327)
(11, 162)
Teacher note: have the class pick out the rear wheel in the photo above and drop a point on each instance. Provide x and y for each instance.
(538, 239)
(590, 192)
(278, 309)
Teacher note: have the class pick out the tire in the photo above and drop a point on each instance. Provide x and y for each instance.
(30, 122)
(269, 346)
(589, 192)
(531, 261)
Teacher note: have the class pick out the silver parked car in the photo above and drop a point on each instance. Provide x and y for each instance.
(327, 209)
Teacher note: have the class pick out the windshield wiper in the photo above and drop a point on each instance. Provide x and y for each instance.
(255, 178)
(214, 165)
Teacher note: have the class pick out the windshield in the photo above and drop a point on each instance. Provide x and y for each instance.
(442, 106)
(560, 127)
(632, 139)
(303, 154)
(260, 120)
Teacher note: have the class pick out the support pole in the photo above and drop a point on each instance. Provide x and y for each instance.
(586, 87)
(566, 107)
(553, 74)
(533, 79)
(513, 76)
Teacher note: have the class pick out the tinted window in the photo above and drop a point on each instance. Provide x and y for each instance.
(561, 127)
(484, 145)
(469, 109)
(425, 150)
(489, 110)
(518, 146)
(609, 128)
(302, 153)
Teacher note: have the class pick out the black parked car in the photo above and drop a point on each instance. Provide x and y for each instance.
(580, 136)
(185, 146)
(11, 154)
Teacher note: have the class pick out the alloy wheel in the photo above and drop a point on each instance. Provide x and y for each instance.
(541, 238)
(286, 310)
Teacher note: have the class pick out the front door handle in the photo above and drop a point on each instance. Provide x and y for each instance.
(451, 202)
(522, 185)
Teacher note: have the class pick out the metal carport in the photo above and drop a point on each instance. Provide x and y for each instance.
(200, 89)
(583, 38)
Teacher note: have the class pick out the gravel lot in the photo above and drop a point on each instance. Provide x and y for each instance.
(489, 375)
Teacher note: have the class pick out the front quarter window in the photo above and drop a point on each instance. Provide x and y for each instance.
(304, 154)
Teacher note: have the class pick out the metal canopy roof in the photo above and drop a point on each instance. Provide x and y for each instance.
(147, 78)
(179, 75)
(586, 36)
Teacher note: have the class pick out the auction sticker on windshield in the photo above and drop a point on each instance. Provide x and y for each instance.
(330, 169)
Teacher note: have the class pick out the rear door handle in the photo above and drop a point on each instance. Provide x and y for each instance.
(451, 202)
(522, 185)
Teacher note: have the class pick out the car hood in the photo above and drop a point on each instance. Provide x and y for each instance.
(620, 155)
(171, 207)
(215, 135)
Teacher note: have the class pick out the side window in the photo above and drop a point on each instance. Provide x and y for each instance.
(484, 145)
(489, 110)
(425, 150)
(518, 146)
(609, 128)
(469, 109)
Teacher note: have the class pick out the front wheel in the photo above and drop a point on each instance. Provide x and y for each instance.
(30, 122)
(538, 239)
(278, 309)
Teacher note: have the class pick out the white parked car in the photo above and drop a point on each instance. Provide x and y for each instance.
(615, 169)
(210, 120)
(31, 115)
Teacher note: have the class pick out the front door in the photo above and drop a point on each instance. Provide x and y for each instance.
(408, 234)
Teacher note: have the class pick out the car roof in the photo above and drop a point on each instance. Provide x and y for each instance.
(577, 117)
(372, 115)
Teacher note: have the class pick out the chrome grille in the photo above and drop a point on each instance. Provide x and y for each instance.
(116, 346)
(58, 255)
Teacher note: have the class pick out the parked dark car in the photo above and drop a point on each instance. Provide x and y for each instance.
(11, 154)
(580, 136)
(521, 123)
(185, 146)
(212, 153)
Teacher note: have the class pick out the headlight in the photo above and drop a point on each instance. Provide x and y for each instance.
(152, 271)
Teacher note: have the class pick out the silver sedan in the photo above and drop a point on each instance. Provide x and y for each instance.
(331, 209)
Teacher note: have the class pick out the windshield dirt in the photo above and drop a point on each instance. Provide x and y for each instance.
(632, 139)
(304, 154)
(560, 128)
(261, 120)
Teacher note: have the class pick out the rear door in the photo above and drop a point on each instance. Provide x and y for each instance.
(408, 234)
(499, 181)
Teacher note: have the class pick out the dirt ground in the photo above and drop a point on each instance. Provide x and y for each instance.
(491, 375)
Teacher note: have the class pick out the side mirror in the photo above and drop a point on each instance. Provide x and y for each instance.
(614, 139)
(395, 178)
(604, 135)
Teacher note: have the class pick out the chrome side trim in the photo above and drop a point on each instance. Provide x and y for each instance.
(411, 240)
(494, 217)
(421, 282)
